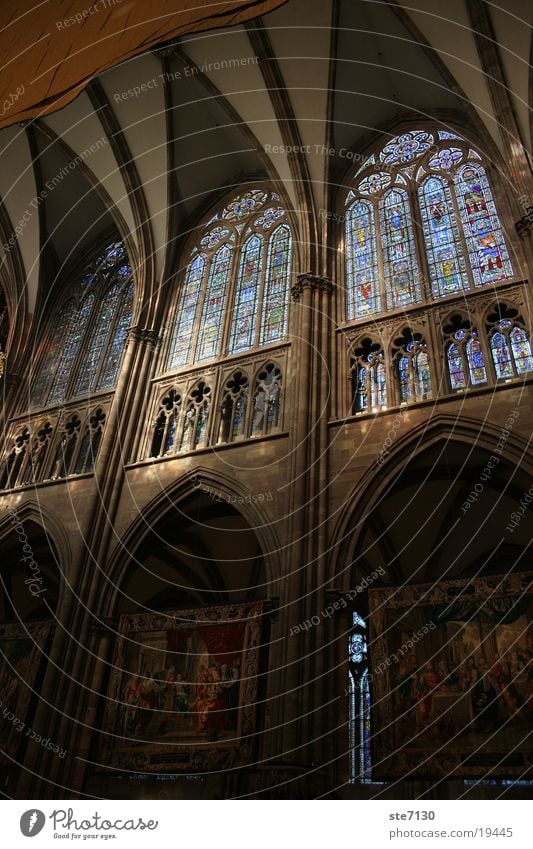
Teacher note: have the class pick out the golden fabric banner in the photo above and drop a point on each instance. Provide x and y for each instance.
(51, 50)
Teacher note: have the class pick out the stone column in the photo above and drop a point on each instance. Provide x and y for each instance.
(302, 625)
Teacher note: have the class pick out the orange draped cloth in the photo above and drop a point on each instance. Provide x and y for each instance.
(49, 51)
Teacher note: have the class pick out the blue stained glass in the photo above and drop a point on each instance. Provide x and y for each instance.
(456, 367)
(361, 261)
(276, 294)
(171, 432)
(489, 257)
(245, 307)
(51, 356)
(117, 343)
(402, 282)
(406, 147)
(210, 333)
(521, 350)
(245, 204)
(404, 374)
(447, 268)
(95, 347)
(501, 355)
(70, 350)
(182, 339)
(476, 362)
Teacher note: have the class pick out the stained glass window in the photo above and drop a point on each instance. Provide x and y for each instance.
(245, 306)
(447, 269)
(476, 362)
(209, 336)
(369, 383)
(501, 355)
(489, 258)
(360, 702)
(182, 339)
(413, 371)
(456, 367)
(52, 353)
(92, 357)
(402, 283)
(423, 376)
(117, 342)
(275, 298)
(406, 148)
(233, 412)
(236, 294)
(511, 349)
(98, 328)
(420, 178)
(404, 374)
(361, 261)
(70, 350)
(521, 350)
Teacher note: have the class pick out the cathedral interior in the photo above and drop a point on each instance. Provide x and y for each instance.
(266, 369)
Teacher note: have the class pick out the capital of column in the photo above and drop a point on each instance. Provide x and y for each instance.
(524, 226)
(310, 281)
(142, 334)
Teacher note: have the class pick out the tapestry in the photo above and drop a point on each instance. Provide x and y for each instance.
(23, 652)
(183, 690)
(452, 679)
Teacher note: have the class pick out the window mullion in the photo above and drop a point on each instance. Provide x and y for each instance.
(383, 307)
(229, 307)
(266, 265)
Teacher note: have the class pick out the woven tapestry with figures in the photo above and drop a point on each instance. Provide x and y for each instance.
(452, 679)
(183, 690)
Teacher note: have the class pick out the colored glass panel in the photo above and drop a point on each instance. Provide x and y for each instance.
(501, 355)
(489, 257)
(276, 295)
(95, 347)
(447, 268)
(210, 333)
(70, 350)
(521, 350)
(117, 343)
(361, 261)
(402, 284)
(423, 376)
(375, 183)
(360, 703)
(404, 374)
(182, 339)
(456, 367)
(476, 362)
(52, 353)
(407, 147)
(245, 307)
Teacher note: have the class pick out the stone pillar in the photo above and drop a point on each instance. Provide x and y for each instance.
(304, 600)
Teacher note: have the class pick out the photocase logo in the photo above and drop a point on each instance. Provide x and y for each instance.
(32, 822)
